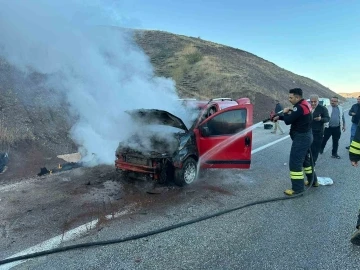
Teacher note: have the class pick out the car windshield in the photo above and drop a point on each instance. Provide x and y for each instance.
(163, 129)
(199, 115)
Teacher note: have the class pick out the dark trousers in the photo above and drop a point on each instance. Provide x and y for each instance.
(335, 133)
(316, 144)
(300, 160)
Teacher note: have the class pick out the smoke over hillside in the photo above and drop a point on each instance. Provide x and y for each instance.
(99, 70)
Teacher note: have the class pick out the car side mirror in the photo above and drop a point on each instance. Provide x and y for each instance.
(204, 131)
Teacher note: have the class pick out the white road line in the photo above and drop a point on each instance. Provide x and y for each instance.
(67, 236)
(53, 242)
(269, 144)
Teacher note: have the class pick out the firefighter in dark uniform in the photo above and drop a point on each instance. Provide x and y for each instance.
(354, 155)
(300, 119)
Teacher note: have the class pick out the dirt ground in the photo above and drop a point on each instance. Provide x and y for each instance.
(62, 201)
(25, 160)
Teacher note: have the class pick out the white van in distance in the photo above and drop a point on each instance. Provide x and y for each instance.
(322, 101)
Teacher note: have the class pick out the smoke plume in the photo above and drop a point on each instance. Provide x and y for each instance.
(90, 59)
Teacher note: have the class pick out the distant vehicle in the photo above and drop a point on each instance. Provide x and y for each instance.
(322, 101)
(218, 120)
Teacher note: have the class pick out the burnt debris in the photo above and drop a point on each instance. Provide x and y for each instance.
(61, 167)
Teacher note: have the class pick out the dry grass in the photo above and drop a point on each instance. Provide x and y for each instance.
(210, 69)
(10, 135)
(183, 62)
(205, 69)
(350, 95)
(192, 54)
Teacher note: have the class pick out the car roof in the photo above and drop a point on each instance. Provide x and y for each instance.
(225, 104)
(220, 103)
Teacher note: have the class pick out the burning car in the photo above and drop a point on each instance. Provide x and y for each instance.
(217, 139)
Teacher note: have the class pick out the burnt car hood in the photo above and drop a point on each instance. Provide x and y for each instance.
(153, 116)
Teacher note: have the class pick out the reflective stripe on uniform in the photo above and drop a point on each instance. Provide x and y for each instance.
(354, 150)
(355, 144)
(308, 170)
(296, 175)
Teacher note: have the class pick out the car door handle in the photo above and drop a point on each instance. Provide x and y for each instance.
(247, 141)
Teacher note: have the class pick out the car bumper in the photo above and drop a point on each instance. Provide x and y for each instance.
(125, 166)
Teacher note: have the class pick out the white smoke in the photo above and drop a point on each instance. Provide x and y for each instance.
(98, 66)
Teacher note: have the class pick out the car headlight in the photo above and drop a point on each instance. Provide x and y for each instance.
(183, 142)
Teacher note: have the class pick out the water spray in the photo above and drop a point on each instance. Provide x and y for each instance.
(206, 156)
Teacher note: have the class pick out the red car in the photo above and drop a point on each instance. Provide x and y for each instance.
(217, 139)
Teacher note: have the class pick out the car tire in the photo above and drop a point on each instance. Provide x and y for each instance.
(187, 174)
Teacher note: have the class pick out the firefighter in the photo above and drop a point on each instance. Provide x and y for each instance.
(354, 155)
(300, 119)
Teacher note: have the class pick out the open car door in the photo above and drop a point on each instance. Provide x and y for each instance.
(223, 140)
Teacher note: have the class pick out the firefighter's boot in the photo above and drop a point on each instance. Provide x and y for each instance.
(297, 182)
(309, 175)
(355, 238)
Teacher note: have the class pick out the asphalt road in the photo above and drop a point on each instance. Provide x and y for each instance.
(310, 232)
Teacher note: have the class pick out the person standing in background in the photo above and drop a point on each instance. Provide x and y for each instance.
(334, 127)
(320, 117)
(278, 108)
(355, 113)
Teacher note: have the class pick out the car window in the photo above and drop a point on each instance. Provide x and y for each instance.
(211, 111)
(207, 113)
(227, 123)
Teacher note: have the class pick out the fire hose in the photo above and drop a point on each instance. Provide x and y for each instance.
(160, 230)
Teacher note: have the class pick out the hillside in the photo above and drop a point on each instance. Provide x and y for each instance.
(204, 69)
(350, 95)
(35, 128)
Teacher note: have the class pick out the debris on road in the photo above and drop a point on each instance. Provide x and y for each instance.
(325, 181)
(61, 167)
(74, 157)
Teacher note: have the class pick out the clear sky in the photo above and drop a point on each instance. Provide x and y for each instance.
(317, 39)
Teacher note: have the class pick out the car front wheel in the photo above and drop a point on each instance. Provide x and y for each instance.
(187, 174)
